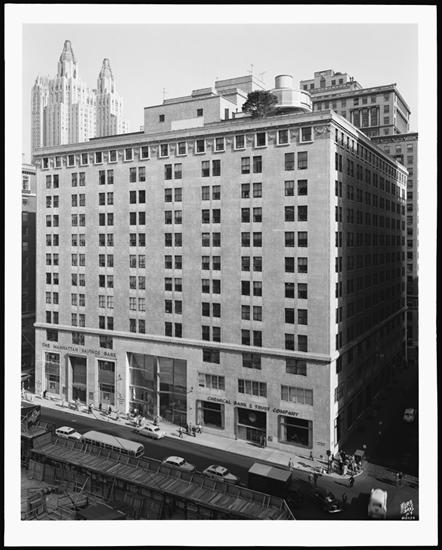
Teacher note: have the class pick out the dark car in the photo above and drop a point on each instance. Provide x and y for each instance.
(327, 500)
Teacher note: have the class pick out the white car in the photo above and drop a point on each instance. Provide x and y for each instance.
(66, 432)
(179, 462)
(377, 506)
(151, 431)
(215, 471)
(409, 415)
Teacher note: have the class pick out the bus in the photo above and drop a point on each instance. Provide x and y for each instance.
(113, 443)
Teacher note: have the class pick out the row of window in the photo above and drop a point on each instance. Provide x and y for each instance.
(200, 147)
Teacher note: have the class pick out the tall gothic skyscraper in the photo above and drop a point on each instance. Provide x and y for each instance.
(65, 110)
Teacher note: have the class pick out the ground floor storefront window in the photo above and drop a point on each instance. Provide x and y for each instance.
(158, 387)
(52, 372)
(296, 431)
(210, 414)
(251, 425)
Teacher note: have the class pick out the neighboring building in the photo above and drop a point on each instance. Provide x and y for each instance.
(65, 110)
(404, 148)
(377, 111)
(245, 274)
(109, 104)
(29, 209)
(381, 113)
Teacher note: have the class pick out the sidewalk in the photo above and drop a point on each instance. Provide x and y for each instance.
(238, 446)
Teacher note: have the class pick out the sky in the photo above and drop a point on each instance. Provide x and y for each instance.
(147, 59)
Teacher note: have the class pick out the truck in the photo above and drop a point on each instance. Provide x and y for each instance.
(269, 479)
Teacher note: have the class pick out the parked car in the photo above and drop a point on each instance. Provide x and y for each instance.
(215, 471)
(66, 432)
(409, 415)
(327, 500)
(179, 462)
(149, 430)
(377, 506)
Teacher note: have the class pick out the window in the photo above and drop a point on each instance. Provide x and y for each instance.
(289, 161)
(297, 395)
(289, 239)
(289, 213)
(306, 134)
(302, 265)
(164, 150)
(200, 146)
(84, 159)
(302, 239)
(302, 160)
(283, 137)
(128, 154)
(161, 118)
(302, 187)
(257, 190)
(245, 239)
(251, 387)
(211, 356)
(240, 142)
(260, 139)
(257, 165)
(216, 167)
(257, 239)
(302, 213)
(219, 144)
(205, 168)
(182, 148)
(245, 165)
(302, 342)
(178, 171)
(289, 188)
(199, 112)
(245, 191)
(296, 366)
(302, 317)
(211, 381)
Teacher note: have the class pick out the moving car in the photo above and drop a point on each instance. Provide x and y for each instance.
(66, 432)
(327, 500)
(377, 506)
(215, 471)
(179, 462)
(409, 415)
(151, 431)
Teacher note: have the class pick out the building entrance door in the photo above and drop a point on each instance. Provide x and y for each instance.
(251, 425)
(79, 378)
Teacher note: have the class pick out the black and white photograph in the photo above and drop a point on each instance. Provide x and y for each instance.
(224, 304)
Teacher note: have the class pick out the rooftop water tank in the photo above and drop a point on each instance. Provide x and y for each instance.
(290, 99)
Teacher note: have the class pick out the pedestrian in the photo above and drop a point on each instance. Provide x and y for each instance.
(315, 479)
(311, 455)
(89, 409)
(44, 394)
(193, 431)
(100, 406)
(290, 464)
(198, 428)
(400, 476)
(344, 500)
(310, 478)
(110, 410)
(351, 481)
(180, 432)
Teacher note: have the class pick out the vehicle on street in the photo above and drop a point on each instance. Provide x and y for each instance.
(114, 443)
(66, 432)
(149, 430)
(269, 479)
(179, 462)
(215, 471)
(377, 505)
(409, 415)
(327, 500)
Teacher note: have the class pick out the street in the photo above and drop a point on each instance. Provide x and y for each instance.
(202, 456)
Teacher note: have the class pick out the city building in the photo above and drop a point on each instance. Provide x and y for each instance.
(404, 148)
(29, 210)
(241, 273)
(377, 111)
(382, 114)
(65, 110)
